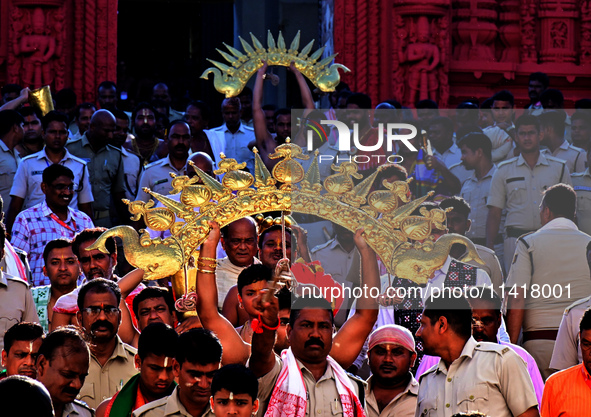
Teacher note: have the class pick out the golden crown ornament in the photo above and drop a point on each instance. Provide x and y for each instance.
(403, 241)
(231, 79)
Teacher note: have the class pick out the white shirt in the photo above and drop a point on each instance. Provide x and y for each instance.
(29, 176)
(237, 144)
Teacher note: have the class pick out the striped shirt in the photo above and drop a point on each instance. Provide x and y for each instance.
(567, 393)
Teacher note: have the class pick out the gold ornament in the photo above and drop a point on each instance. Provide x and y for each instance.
(231, 79)
(390, 229)
(41, 99)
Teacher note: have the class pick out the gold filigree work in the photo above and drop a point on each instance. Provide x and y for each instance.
(403, 241)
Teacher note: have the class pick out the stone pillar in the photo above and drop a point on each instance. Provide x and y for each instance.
(474, 30)
(557, 30)
(61, 43)
(509, 31)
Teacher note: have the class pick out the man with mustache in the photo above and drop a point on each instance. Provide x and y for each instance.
(26, 189)
(111, 360)
(157, 175)
(145, 144)
(52, 219)
(322, 385)
(105, 168)
(517, 186)
(33, 139)
(21, 345)
(62, 367)
(198, 357)
(469, 375)
(155, 355)
(391, 390)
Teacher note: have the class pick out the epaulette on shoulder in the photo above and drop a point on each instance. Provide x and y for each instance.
(508, 161)
(321, 246)
(15, 279)
(150, 406)
(578, 174)
(84, 405)
(492, 347)
(153, 164)
(482, 248)
(457, 165)
(578, 303)
(114, 148)
(555, 159)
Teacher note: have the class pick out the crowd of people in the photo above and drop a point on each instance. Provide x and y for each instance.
(83, 334)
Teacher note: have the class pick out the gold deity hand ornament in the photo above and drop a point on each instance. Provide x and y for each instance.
(231, 79)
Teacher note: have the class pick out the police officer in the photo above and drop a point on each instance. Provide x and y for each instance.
(517, 187)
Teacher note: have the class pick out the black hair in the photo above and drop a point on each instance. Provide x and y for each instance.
(395, 103)
(107, 85)
(203, 108)
(23, 331)
(232, 102)
(486, 104)
(30, 111)
(2, 236)
(93, 234)
(456, 310)
(386, 171)
(363, 101)
(120, 114)
(54, 171)
(561, 199)
(552, 94)
(310, 302)
(66, 97)
(199, 346)
(98, 286)
(67, 337)
(54, 116)
(86, 106)
(11, 88)
(427, 104)
(475, 141)
(541, 77)
(246, 91)
(487, 294)
(581, 115)
(237, 379)
(55, 244)
(285, 297)
(457, 204)
(23, 396)
(9, 119)
(271, 229)
(281, 112)
(141, 106)
(556, 119)
(504, 95)
(468, 104)
(446, 122)
(583, 104)
(176, 122)
(463, 130)
(271, 107)
(153, 292)
(158, 339)
(585, 321)
(527, 120)
(251, 274)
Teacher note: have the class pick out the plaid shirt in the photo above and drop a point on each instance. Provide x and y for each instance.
(34, 228)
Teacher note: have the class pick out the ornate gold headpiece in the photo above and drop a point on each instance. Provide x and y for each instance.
(265, 222)
(390, 229)
(232, 79)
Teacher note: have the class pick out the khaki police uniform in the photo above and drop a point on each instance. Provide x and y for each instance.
(575, 157)
(9, 162)
(487, 377)
(582, 186)
(132, 167)
(551, 258)
(501, 142)
(460, 171)
(16, 304)
(105, 168)
(104, 381)
(77, 409)
(157, 178)
(168, 406)
(476, 192)
(567, 350)
(403, 405)
(323, 397)
(451, 156)
(518, 189)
